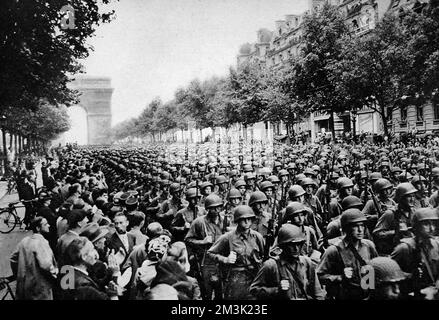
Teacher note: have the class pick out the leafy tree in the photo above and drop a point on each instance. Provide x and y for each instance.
(309, 79)
(374, 71)
(37, 56)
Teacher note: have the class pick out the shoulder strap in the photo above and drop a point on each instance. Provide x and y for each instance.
(357, 255)
(427, 265)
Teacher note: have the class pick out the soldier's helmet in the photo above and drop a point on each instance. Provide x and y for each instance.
(242, 212)
(247, 168)
(382, 184)
(423, 214)
(212, 200)
(256, 197)
(221, 179)
(350, 202)
(404, 189)
(240, 183)
(309, 182)
(273, 179)
(175, 187)
(344, 182)
(387, 270)
(234, 194)
(351, 216)
(266, 185)
(192, 193)
(418, 178)
(295, 191)
(310, 172)
(206, 184)
(396, 170)
(374, 176)
(435, 172)
(283, 172)
(290, 233)
(293, 209)
(249, 176)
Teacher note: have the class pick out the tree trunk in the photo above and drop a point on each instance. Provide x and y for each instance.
(15, 143)
(354, 128)
(20, 144)
(5, 156)
(201, 135)
(11, 137)
(331, 124)
(384, 119)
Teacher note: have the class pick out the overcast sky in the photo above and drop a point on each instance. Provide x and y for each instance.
(154, 47)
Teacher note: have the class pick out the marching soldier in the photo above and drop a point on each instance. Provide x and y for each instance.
(291, 275)
(184, 217)
(241, 250)
(419, 256)
(394, 225)
(342, 263)
(205, 231)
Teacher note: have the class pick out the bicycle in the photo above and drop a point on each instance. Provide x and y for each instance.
(5, 288)
(9, 218)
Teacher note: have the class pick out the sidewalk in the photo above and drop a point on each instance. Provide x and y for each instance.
(4, 189)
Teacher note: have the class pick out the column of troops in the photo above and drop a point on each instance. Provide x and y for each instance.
(341, 221)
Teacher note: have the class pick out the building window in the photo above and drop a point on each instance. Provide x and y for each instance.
(436, 110)
(419, 114)
(403, 114)
(389, 114)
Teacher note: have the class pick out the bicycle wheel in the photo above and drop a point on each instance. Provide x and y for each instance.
(7, 221)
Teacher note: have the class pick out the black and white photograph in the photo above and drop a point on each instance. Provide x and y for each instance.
(234, 153)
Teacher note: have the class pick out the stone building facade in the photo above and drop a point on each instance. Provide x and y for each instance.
(361, 16)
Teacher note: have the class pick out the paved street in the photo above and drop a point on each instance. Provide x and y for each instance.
(8, 242)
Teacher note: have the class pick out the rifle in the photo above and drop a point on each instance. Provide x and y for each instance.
(271, 234)
(373, 196)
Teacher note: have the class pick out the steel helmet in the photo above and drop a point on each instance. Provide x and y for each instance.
(240, 183)
(242, 212)
(404, 189)
(283, 172)
(435, 172)
(344, 182)
(234, 194)
(316, 168)
(291, 166)
(396, 170)
(382, 184)
(257, 196)
(351, 202)
(308, 182)
(423, 214)
(295, 191)
(247, 168)
(206, 184)
(309, 171)
(265, 171)
(249, 175)
(374, 176)
(212, 200)
(175, 187)
(221, 179)
(192, 193)
(417, 178)
(351, 216)
(387, 270)
(274, 179)
(233, 173)
(265, 185)
(292, 209)
(290, 233)
(299, 178)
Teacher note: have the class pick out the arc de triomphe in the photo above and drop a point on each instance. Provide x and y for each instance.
(95, 98)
